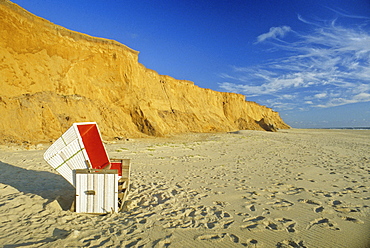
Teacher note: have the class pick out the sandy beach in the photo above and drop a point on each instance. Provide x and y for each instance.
(292, 188)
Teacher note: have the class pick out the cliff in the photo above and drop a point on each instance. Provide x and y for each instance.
(51, 77)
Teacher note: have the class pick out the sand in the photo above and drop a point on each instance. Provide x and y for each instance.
(292, 188)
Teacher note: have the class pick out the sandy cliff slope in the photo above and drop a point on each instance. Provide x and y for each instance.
(51, 77)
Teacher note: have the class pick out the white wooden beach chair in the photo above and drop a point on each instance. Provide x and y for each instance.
(80, 157)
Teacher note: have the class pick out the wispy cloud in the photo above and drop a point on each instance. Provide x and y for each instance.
(274, 33)
(327, 67)
(344, 14)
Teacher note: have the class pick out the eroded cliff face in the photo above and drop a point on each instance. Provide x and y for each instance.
(51, 77)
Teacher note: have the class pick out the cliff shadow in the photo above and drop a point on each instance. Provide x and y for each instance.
(48, 185)
(266, 125)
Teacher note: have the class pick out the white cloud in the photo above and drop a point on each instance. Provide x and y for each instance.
(286, 96)
(320, 95)
(363, 97)
(327, 67)
(333, 102)
(274, 33)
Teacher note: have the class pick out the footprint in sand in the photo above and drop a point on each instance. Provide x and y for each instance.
(323, 222)
(336, 202)
(165, 242)
(260, 223)
(135, 242)
(212, 237)
(345, 209)
(294, 191)
(354, 220)
(250, 243)
(227, 224)
(242, 214)
(309, 201)
(318, 209)
(234, 238)
(221, 236)
(280, 204)
(290, 243)
(194, 217)
(321, 193)
(222, 214)
(340, 207)
(254, 223)
(221, 203)
(250, 207)
(271, 226)
(289, 224)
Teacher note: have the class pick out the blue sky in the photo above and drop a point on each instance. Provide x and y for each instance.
(308, 60)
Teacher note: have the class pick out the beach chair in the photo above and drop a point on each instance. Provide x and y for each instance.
(123, 166)
(80, 157)
(96, 191)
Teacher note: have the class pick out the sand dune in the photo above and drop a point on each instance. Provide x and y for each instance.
(293, 188)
